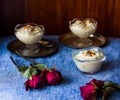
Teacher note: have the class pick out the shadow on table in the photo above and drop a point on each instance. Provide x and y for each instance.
(66, 80)
(110, 66)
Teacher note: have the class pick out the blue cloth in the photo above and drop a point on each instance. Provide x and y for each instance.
(12, 83)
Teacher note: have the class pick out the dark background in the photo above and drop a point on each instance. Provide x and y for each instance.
(12, 13)
(54, 15)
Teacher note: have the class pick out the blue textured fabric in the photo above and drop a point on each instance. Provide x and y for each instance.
(12, 83)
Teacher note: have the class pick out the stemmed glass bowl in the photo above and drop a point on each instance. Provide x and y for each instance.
(29, 34)
(83, 28)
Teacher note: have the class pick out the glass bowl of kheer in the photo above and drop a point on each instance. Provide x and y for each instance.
(29, 34)
(89, 60)
(83, 27)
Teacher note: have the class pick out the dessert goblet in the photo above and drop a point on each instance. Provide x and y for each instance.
(83, 28)
(29, 34)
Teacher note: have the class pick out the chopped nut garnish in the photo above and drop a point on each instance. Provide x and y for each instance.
(89, 53)
(27, 26)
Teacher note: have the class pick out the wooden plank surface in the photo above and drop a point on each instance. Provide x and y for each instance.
(55, 14)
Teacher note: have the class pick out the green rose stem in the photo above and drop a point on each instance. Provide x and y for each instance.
(32, 61)
(28, 71)
(108, 90)
(119, 87)
(14, 62)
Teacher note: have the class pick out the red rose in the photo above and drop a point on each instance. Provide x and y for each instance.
(53, 77)
(88, 92)
(36, 82)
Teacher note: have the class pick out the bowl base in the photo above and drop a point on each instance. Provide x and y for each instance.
(43, 48)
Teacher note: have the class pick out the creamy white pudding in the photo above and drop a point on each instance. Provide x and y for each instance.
(89, 55)
(83, 28)
(29, 33)
(89, 60)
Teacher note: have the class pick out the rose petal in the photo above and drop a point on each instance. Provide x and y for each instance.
(96, 83)
(88, 92)
(27, 85)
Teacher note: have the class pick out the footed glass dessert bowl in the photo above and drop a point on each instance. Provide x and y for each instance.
(83, 28)
(29, 34)
(30, 42)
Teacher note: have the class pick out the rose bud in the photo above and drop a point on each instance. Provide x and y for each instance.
(54, 77)
(36, 82)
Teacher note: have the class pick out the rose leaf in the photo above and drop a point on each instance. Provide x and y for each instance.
(27, 72)
(39, 66)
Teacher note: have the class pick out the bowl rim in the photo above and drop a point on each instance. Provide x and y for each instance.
(74, 52)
